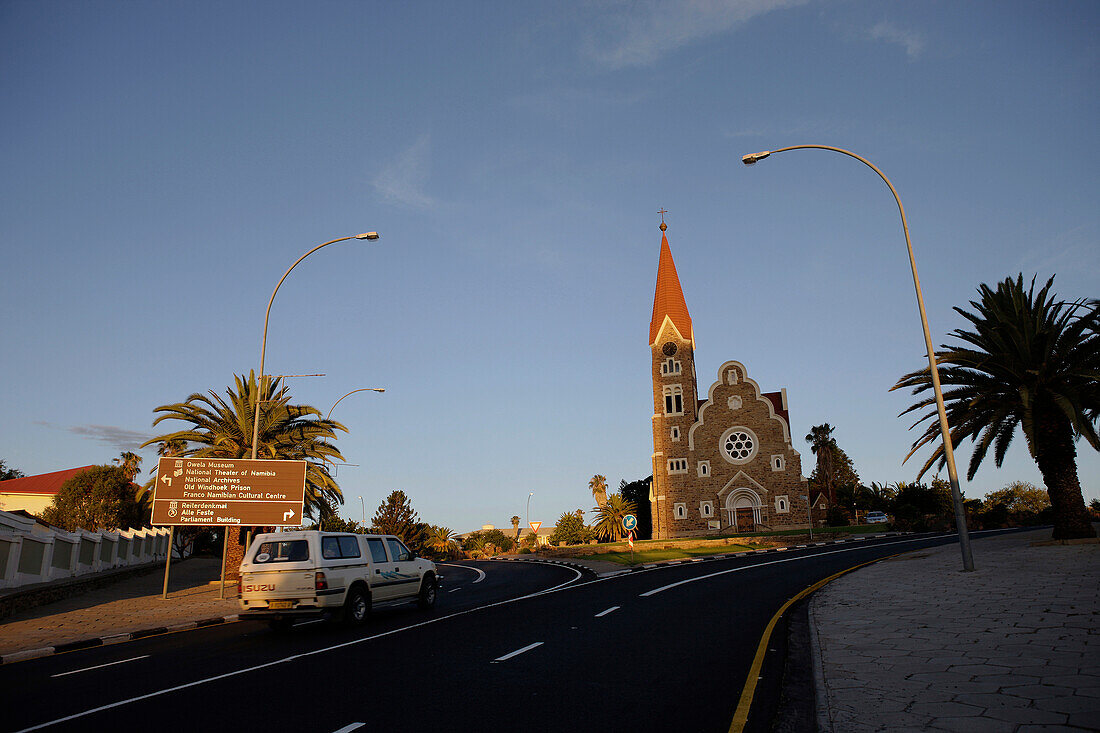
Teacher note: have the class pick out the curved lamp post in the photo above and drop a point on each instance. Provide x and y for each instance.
(364, 389)
(948, 451)
(267, 315)
(529, 514)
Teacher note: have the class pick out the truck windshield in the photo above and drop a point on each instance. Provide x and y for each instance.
(283, 551)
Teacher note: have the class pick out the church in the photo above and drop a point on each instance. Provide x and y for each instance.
(723, 463)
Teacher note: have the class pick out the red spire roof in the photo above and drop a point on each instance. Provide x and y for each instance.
(668, 297)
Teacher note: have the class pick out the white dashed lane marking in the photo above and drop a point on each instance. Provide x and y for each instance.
(100, 666)
(517, 652)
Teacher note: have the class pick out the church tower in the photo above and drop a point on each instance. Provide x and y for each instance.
(675, 396)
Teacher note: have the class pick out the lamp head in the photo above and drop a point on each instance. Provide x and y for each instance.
(753, 157)
(367, 235)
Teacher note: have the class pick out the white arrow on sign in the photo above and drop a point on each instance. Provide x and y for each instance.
(166, 479)
(288, 514)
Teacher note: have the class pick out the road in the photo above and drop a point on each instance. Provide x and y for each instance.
(540, 646)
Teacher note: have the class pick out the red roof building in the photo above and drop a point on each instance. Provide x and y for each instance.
(34, 493)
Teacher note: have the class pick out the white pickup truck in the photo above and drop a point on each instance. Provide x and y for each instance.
(290, 575)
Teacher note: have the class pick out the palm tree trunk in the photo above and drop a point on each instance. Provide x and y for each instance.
(1056, 457)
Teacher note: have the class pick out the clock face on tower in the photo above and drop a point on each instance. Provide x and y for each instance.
(669, 348)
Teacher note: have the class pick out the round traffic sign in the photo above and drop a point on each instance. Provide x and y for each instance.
(630, 522)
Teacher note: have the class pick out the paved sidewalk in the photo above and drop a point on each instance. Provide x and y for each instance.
(915, 644)
(130, 605)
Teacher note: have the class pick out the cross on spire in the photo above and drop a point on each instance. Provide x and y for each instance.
(662, 212)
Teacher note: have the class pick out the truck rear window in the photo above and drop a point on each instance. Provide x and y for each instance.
(282, 551)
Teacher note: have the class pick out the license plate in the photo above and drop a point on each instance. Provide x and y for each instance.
(280, 605)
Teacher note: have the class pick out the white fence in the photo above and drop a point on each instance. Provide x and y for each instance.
(33, 553)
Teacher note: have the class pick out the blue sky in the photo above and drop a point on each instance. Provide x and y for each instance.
(164, 163)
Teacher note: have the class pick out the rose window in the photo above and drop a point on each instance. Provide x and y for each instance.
(739, 445)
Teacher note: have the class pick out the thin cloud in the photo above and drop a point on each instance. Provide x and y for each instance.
(112, 435)
(643, 32)
(911, 41)
(402, 181)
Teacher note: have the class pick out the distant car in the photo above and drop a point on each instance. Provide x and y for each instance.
(876, 518)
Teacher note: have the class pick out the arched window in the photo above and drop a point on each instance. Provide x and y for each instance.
(674, 400)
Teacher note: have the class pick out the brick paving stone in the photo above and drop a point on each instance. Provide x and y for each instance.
(1070, 704)
(945, 709)
(1021, 715)
(1037, 692)
(1089, 720)
(971, 725)
(975, 670)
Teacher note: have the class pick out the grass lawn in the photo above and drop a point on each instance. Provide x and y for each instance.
(642, 557)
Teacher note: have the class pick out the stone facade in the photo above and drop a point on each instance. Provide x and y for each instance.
(725, 462)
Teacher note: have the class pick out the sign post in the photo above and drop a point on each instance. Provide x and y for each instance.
(810, 516)
(228, 492)
(535, 531)
(630, 522)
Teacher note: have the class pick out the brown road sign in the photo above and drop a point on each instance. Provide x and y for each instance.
(207, 491)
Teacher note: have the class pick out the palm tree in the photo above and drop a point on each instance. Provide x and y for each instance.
(598, 484)
(515, 526)
(130, 464)
(441, 539)
(222, 428)
(1030, 361)
(824, 446)
(609, 517)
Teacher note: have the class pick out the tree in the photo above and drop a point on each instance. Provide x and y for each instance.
(598, 485)
(442, 541)
(7, 473)
(637, 493)
(609, 517)
(881, 497)
(100, 498)
(222, 428)
(329, 520)
(920, 507)
(515, 525)
(395, 516)
(1030, 361)
(570, 530)
(130, 463)
(499, 541)
(840, 474)
(1017, 504)
(823, 445)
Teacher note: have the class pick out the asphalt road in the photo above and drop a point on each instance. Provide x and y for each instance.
(537, 646)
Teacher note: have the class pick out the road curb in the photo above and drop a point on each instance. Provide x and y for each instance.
(108, 639)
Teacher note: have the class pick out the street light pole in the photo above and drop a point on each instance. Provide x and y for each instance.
(364, 389)
(945, 432)
(529, 518)
(363, 507)
(263, 346)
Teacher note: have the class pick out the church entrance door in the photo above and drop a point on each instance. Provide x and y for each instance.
(743, 519)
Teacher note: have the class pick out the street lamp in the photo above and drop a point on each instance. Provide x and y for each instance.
(948, 451)
(263, 346)
(529, 516)
(364, 389)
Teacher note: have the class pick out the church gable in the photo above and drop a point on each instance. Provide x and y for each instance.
(735, 398)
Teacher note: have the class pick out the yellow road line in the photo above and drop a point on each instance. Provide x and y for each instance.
(741, 714)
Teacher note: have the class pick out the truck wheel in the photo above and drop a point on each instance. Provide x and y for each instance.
(428, 591)
(357, 607)
(280, 625)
